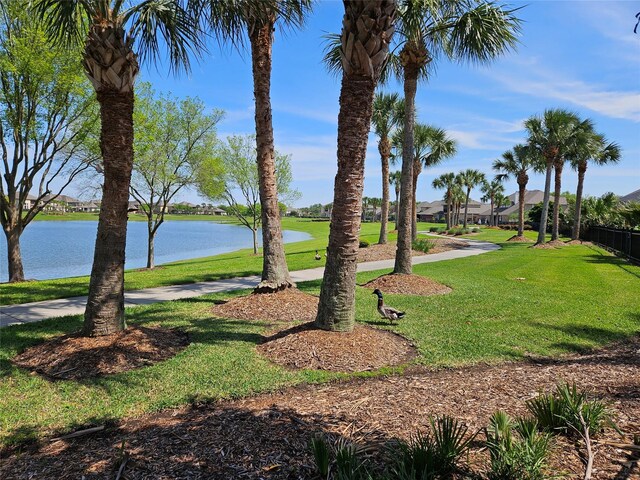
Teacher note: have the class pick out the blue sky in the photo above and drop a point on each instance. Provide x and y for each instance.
(579, 55)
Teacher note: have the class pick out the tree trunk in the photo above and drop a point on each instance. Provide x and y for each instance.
(491, 220)
(105, 306)
(414, 206)
(556, 201)
(383, 147)
(336, 310)
(275, 273)
(582, 169)
(254, 233)
(522, 186)
(151, 238)
(397, 205)
(14, 257)
(449, 212)
(545, 204)
(466, 208)
(403, 251)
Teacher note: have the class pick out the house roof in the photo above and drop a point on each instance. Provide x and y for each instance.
(533, 197)
(61, 198)
(631, 197)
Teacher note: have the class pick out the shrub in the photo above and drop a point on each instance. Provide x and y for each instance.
(347, 460)
(561, 411)
(475, 230)
(423, 245)
(516, 449)
(434, 229)
(363, 244)
(433, 454)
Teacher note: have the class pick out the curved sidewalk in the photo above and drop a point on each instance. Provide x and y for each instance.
(37, 311)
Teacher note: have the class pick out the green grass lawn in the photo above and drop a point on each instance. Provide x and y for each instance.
(571, 299)
(300, 255)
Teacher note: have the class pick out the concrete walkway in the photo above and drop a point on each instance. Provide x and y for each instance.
(37, 311)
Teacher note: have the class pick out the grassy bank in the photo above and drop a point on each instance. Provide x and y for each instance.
(300, 255)
(492, 315)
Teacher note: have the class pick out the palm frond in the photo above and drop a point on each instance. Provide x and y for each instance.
(65, 21)
(178, 29)
(332, 58)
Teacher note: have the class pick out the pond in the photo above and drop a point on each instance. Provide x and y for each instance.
(56, 249)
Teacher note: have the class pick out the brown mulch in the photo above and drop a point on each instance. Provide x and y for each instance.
(363, 349)
(76, 357)
(578, 242)
(407, 285)
(283, 306)
(267, 436)
(556, 243)
(519, 238)
(388, 250)
(544, 246)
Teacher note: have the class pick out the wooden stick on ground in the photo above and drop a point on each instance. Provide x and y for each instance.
(79, 433)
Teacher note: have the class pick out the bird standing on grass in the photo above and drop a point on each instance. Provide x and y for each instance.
(317, 257)
(387, 312)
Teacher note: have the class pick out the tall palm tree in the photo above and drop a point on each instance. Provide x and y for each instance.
(597, 150)
(446, 182)
(499, 200)
(259, 18)
(470, 179)
(491, 190)
(367, 29)
(431, 145)
(115, 35)
(457, 196)
(394, 179)
(466, 30)
(552, 137)
(517, 162)
(384, 120)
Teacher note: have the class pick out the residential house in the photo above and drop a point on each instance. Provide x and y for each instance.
(631, 197)
(531, 198)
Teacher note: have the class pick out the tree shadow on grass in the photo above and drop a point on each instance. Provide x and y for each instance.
(598, 257)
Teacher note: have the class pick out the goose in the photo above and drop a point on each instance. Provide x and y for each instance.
(317, 257)
(387, 312)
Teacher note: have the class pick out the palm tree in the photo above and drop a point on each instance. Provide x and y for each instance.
(470, 179)
(597, 150)
(457, 196)
(462, 29)
(384, 120)
(490, 190)
(394, 179)
(517, 162)
(367, 29)
(375, 202)
(431, 147)
(366, 201)
(114, 38)
(499, 200)
(446, 181)
(552, 137)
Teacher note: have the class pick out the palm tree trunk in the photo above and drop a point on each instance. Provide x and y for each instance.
(151, 238)
(521, 193)
(545, 204)
(275, 273)
(397, 205)
(556, 201)
(582, 169)
(403, 251)
(384, 208)
(104, 313)
(449, 212)
(491, 220)
(414, 206)
(14, 257)
(336, 310)
(466, 207)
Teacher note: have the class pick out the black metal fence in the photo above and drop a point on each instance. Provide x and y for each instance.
(624, 242)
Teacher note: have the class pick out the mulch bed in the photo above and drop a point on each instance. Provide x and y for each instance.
(407, 285)
(556, 243)
(388, 250)
(76, 357)
(544, 246)
(283, 306)
(363, 349)
(519, 238)
(579, 242)
(267, 436)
